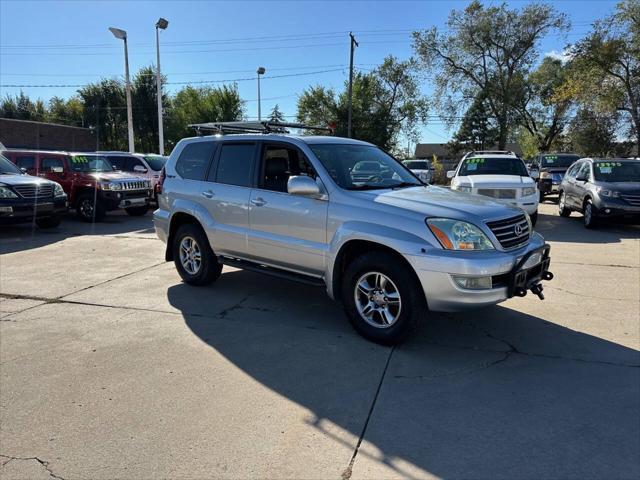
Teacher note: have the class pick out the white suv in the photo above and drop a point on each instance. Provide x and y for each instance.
(497, 174)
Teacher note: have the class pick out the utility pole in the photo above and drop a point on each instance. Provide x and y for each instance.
(122, 35)
(353, 45)
(160, 24)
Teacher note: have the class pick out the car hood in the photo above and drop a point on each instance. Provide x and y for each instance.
(441, 202)
(496, 181)
(21, 180)
(115, 177)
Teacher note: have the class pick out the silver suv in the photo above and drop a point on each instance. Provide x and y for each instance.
(387, 246)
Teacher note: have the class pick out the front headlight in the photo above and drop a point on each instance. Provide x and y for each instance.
(6, 193)
(527, 191)
(464, 189)
(545, 175)
(57, 190)
(110, 186)
(607, 193)
(458, 235)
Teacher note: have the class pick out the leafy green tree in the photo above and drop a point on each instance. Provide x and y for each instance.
(593, 134)
(607, 65)
(477, 131)
(489, 51)
(66, 112)
(200, 105)
(386, 103)
(105, 110)
(21, 107)
(144, 98)
(544, 110)
(276, 115)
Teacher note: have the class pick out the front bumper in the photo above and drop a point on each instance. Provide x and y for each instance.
(617, 211)
(22, 211)
(436, 269)
(113, 200)
(549, 185)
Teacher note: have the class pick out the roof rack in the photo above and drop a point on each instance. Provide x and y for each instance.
(509, 152)
(252, 127)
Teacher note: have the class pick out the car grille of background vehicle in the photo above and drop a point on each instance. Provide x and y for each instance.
(631, 199)
(511, 232)
(133, 185)
(34, 191)
(497, 192)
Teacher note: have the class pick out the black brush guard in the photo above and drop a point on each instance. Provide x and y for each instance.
(522, 280)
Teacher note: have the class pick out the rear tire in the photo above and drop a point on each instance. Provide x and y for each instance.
(194, 259)
(49, 222)
(541, 196)
(137, 211)
(589, 215)
(563, 211)
(87, 209)
(382, 298)
(534, 218)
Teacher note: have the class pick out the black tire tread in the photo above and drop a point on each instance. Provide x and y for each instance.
(211, 269)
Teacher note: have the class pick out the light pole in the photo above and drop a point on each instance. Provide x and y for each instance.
(122, 35)
(160, 24)
(260, 71)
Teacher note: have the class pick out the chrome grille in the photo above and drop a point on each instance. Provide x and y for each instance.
(135, 185)
(34, 190)
(631, 199)
(497, 192)
(511, 232)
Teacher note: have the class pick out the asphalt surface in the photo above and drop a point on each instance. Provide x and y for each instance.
(110, 367)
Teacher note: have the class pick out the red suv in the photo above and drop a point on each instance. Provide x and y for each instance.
(89, 180)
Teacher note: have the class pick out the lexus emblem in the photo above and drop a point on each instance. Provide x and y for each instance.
(517, 230)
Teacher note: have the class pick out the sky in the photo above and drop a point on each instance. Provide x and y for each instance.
(300, 43)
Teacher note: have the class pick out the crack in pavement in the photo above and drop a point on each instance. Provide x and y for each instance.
(551, 287)
(44, 463)
(463, 371)
(346, 474)
(613, 265)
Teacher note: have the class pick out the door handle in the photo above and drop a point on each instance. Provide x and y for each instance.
(258, 202)
(208, 194)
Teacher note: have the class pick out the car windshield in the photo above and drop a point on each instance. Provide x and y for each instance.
(416, 164)
(363, 167)
(156, 162)
(90, 163)
(493, 166)
(8, 168)
(613, 171)
(560, 161)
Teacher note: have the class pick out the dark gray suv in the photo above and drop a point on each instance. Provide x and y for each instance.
(602, 189)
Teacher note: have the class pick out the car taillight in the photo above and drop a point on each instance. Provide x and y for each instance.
(163, 175)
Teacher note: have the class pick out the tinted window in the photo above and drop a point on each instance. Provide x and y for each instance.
(493, 166)
(279, 163)
(133, 162)
(617, 171)
(560, 161)
(194, 160)
(7, 167)
(156, 162)
(234, 165)
(585, 171)
(28, 162)
(49, 163)
(117, 162)
(417, 164)
(572, 171)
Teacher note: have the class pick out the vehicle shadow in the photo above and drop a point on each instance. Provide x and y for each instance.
(26, 236)
(458, 400)
(555, 228)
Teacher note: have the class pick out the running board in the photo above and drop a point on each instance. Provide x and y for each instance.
(273, 271)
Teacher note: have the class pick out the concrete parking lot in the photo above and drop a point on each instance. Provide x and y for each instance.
(110, 367)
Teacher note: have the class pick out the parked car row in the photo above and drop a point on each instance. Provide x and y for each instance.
(93, 183)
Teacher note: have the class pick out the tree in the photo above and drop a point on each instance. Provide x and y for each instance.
(105, 110)
(66, 112)
(593, 134)
(144, 98)
(607, 75)
(477, 131)
(386, 103)
(21, 107)
(544, 108)
(276, 115)
(200, 105)
(487, 51)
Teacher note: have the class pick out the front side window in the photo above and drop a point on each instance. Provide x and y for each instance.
(8, 168)
(571, 173)
(133, 162)
(194, 160)
(613, 171)
(90, 163)
(493, 166)
(235, 164)
(279, 163)
(117, 162)
(28, 162)
(585, 171)
(362, 167)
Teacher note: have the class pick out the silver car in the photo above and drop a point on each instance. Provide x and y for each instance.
(388, 247)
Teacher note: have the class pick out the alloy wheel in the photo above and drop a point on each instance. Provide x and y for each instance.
(377, 299)
(190, 255)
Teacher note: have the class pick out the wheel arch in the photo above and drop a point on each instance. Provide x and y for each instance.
(177, 220)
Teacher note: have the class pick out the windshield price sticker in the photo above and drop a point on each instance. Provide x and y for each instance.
(475, 160)
(79, 159)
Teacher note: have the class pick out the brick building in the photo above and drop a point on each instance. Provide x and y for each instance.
(45, 136)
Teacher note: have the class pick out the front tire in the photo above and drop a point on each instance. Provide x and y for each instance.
(193, 256)
(138, 211)
(589, 215)
(89, 209)
(563, 211)
(382, 298)
(49, 222)
(534, 218)
(541, 196)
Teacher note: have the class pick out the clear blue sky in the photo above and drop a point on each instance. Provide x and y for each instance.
(67, 42)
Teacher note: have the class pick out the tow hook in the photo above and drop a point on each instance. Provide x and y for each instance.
(537, 290)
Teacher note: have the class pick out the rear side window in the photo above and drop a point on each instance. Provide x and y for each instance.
(235, 164)
(27, 162)
(52, 164)
(194, 160)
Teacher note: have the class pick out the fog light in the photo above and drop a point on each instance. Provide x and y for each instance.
(6, 209)
(473, 283)
(607, 210)
(532, 261)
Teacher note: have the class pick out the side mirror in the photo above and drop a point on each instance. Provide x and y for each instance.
(581, 178)
(304, 186)
(451, 173)
(23, 170)
(140, 169)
